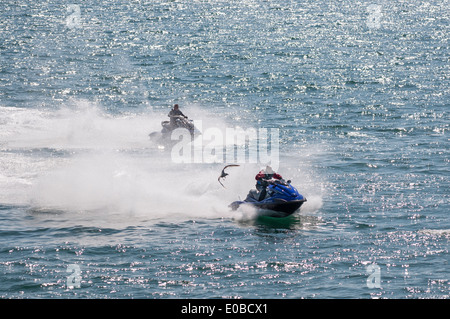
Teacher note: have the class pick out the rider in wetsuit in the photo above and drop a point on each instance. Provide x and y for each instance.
(262, 177)
(173, 114)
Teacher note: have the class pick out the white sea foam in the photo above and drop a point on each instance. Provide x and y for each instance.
(80, 158)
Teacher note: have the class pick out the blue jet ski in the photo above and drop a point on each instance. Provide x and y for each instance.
(280, 199)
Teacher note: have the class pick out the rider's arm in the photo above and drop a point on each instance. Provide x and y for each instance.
(277, 176)
(260, 175)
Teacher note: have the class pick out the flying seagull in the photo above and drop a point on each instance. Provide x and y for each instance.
(223, 175)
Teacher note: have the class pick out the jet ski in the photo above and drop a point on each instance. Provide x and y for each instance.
(281, 200)
(166, 132)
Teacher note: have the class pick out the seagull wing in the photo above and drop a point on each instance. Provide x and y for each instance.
(223, 174)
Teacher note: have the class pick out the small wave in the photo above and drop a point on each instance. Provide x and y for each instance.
(436, 232)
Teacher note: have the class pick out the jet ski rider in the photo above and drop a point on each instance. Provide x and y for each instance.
(173, 114)
(262, 179)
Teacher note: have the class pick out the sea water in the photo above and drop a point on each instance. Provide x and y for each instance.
(357, 93)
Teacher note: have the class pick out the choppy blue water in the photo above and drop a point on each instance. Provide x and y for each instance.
(358, 90)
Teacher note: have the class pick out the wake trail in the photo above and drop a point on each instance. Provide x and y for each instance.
(81, 159)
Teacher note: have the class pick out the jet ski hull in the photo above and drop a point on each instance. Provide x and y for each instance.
(273, 209)
(282, 199)
(165, 136)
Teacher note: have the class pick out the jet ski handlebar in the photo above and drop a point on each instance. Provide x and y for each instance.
(178, 116)
(274, 181)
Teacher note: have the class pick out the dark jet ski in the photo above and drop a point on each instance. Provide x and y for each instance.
(180, 122)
